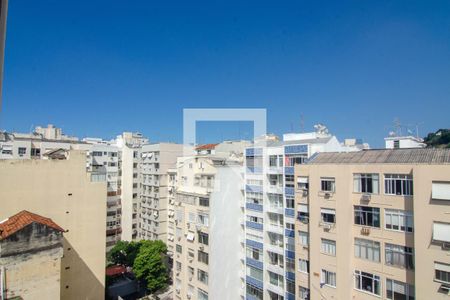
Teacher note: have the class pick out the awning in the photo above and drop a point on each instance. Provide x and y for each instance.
(327, 211)
(303, 208)
(442, 267)
(302, 179)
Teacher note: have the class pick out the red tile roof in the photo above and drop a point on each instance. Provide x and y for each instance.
(206, 147)
(115, 270)
(23, 219)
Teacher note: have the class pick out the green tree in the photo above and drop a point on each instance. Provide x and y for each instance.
(124, 253)
(149, 265)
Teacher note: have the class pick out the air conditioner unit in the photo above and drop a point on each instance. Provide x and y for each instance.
(327, 195)
(365, 231)
(305, 193)
(445, 246)
(201, 247)
(365, 197)
(178, 291)
(178, 274)
(445, 289)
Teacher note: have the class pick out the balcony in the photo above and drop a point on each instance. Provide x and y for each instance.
(289, 212)
(289, 233)
(274, 189)
(254, 225)
(275, 170)
(275, 207)
(254, 206)
(276, 228)
(289, 191)
(255, 282)
(254, 263)
(254, 188)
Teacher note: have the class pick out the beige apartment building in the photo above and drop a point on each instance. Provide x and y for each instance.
(155, 161)
(374, 224)
(61, 189)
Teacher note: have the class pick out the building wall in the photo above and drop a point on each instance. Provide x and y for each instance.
(345, 230)
(31, 263)
(62, 191)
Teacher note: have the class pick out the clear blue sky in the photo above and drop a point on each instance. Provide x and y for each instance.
(97, 68)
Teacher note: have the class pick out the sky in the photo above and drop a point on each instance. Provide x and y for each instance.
(97, 67)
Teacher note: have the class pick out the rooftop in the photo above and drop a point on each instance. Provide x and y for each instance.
(206, 147)
(385, 156)
(22, 219)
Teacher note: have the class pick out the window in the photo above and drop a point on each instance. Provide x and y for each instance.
(255, 273)
(442, 272)
(254, 253)
(441, 232)
(367, 216)
(303, 238)
(399, 256)
(303, 265)
(398, 184)
(397, 290)
(328, 247)
(440, 190)
(303, 213)
(203, 219)
(276, 279)
(290, 203)
(254, 219)
(35, 152)
(203, 257)
(202, 276)
(254, 292)
(365, 183)
(367, 249)
(275, 259)
(328, 278)
(303, 293)
(97, 153)
(22, 150)
(327, 184)
(396, 144)
(290, 286)
(179, 249)
(202, 295)
(202, 201)
(328, 215)
(290, 226)
(203, 238)
(399, 220)
(302, 183)
(290, 265)
(290, 161)
(367, 282)
(289, 181)
(273, 160)
(178, 266)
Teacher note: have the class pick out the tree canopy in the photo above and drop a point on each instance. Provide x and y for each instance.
(438, 139)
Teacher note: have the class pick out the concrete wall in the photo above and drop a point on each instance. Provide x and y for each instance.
(62, 191)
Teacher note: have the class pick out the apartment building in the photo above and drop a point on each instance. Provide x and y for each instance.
(373, 224)
(154, 165)
(130, 145)
(61, 189)
(270, 209)
(114, 161)
(209, 231)
(171, 197)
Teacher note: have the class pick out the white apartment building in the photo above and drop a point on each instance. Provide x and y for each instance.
(209, 233)
(155, 180)
(270, 209)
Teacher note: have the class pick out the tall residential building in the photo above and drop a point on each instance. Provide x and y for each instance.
(171, 197)
(155, 162)
(30, 257)
(61, 189)
(373, 224)
(3, 16)
(130, 145)
(114, 161)
(208, 231)
(270, 209)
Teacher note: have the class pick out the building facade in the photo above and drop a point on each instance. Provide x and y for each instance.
(156, 187)
(208, 237)
(373, 224)
(62, 190)
(270, 210)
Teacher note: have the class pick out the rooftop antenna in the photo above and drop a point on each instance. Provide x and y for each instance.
(397, 126)
(302, 123)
